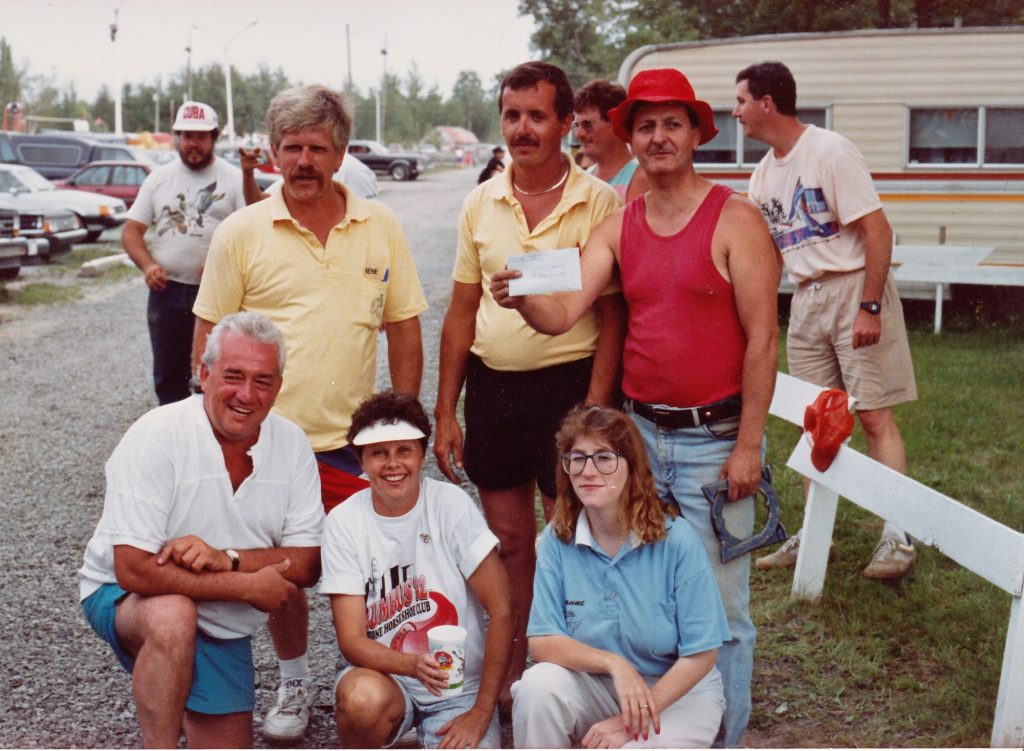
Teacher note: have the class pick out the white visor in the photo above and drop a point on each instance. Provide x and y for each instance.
(382, 431)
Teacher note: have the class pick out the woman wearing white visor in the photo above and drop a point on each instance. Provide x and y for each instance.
(405, 555)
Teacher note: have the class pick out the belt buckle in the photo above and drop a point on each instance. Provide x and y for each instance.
(695, 416)
(661, 413)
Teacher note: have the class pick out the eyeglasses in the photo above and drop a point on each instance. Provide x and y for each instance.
(605, 462)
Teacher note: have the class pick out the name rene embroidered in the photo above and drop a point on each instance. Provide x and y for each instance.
(576, 603)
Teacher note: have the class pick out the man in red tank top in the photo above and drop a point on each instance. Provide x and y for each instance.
(700, 277)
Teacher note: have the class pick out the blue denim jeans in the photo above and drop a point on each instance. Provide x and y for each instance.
(682, 461)
(171, 324)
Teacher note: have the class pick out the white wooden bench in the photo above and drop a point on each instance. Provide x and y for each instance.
(989, 549)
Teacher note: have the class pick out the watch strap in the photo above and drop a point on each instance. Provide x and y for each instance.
(235, 559)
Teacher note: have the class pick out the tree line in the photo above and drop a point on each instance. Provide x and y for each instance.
(412, 108)
(587, 38)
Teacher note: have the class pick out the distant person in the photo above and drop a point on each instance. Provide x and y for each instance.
(495, 165)
(412, 540)
(212, 517)
(519, 383)
(846, 326)
(186, 199)
(328, 267)
(626, 616)
(608, 156)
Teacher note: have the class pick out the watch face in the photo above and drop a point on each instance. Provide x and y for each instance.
(872, 307)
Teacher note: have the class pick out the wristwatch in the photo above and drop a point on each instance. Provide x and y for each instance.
(235, 560)
(872, 307)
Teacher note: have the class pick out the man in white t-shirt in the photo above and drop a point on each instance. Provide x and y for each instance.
(186, 200)
(401, 557)
(211, 518)
(846, 326)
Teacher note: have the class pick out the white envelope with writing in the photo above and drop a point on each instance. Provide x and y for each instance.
(546, 271)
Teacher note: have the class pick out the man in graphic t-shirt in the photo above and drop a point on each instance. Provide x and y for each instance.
(185, 200)
(846, 326)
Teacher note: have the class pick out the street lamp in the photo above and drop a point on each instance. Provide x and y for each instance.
(229, 128)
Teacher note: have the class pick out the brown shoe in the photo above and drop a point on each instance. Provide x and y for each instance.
(892, 559)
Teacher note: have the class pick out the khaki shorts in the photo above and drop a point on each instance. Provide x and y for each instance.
(820, 349)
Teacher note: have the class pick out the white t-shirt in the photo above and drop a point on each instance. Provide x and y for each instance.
(186, 206)
(809, 197)
(167, 479)
(412, 570)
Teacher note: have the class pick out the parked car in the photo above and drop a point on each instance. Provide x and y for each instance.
(57, 155)
(48, 231)
(116, 179)
(13, 249)
(95, 212)
(375, 155)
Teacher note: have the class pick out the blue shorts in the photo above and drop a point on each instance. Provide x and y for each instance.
(223, 680)
(429, 718)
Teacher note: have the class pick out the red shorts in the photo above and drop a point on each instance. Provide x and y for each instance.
(339, 476)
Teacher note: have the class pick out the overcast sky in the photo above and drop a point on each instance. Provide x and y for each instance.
(70, 39)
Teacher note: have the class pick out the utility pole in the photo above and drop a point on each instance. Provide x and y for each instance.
(188, 66)
(348, 52)
(117, 71)
(382, 97)
(229, 128)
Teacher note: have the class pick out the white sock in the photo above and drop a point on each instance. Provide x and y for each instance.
(891, 530)
(297, 668)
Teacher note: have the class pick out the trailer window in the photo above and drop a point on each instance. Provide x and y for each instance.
(966, 135)
(732, 148)
(1003, 141)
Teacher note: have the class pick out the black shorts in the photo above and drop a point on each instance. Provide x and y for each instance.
(512, 418)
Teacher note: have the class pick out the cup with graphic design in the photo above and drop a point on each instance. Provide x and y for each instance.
(448, 648)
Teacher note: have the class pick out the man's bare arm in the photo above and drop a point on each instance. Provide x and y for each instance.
(195, 554)
(457, 336)
(199, 336)
(556, 314)
(611, 311)
(133, 240)
(405, 355)
(137, 571)
(754, 267)
(250, 159)
(877, 235)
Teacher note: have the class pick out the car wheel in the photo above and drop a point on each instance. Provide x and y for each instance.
(399, 172)
(9, 275)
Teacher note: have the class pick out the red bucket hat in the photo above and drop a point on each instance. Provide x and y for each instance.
(662, 85)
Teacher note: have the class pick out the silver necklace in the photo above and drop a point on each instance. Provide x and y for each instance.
(556, 186)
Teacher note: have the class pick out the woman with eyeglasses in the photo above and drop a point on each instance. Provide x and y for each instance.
(626, 615)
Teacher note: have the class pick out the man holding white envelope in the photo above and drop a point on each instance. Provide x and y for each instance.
(700, 276)
(519, 383)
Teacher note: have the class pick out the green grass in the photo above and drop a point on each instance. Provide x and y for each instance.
(58, 282)
(42, 293)
(914, 663)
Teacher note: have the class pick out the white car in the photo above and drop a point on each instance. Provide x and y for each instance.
(95, 212)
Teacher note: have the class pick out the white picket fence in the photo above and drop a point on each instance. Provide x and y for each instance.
(990, 549)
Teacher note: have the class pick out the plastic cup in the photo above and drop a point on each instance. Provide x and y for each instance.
(448, 647)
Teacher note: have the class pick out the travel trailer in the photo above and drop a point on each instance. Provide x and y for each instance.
(937, 113)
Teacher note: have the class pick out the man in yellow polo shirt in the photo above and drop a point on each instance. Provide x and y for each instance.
(520, 383)
(328, 268)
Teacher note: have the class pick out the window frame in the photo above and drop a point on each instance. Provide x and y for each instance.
(979, 143)
(740, 161)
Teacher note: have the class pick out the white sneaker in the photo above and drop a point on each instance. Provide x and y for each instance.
(893, 558)
(785, 556)
(288, 719)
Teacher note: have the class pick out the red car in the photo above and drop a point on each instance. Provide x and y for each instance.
(117, 179)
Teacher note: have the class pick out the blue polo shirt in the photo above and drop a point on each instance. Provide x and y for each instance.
(651, 603)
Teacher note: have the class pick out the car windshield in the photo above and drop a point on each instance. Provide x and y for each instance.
(31, 179)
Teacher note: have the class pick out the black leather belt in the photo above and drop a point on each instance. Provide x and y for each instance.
(688, 417)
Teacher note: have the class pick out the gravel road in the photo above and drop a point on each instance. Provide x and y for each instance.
(72, 379)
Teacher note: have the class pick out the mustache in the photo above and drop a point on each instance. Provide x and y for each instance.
(525, 141)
